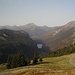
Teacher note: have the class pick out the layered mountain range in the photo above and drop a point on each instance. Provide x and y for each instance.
(52, 37)
(32, 29)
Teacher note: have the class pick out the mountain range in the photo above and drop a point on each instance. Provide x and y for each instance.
(32, 29)
(60, 36)
(52, 37)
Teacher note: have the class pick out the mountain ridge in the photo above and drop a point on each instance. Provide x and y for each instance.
(32, 29)
(54, 38)
(60, 36)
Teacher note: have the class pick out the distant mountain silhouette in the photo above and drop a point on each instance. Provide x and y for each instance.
(32, 29)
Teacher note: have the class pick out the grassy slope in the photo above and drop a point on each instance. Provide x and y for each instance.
(50, 66)
(2, 67)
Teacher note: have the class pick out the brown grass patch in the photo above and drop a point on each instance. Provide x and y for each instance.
(45, 72)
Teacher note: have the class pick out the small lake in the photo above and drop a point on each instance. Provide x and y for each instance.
(39, 45)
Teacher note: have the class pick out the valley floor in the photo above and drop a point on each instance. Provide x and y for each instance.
(50, 66)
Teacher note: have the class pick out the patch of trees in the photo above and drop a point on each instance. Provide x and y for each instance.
(16, 61)
(13, 48)
(63, 51)
(20, 60)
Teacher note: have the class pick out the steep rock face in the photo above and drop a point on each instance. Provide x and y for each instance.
(12, 42)
(60, 36)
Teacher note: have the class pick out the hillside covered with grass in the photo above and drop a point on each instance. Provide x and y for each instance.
(50, 66)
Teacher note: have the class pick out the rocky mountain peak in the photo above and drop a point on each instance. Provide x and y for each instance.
(70, 24)
(30, 25)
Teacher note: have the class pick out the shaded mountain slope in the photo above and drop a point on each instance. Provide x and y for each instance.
(12, 42)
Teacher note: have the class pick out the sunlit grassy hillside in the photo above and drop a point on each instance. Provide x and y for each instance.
(49, 66)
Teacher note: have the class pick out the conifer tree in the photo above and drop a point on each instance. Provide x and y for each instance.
(9, 61)
(28, 61)
(35, 58)
(14, 63)
(40, 59)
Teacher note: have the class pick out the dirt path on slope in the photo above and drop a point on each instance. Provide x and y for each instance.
(71, 60)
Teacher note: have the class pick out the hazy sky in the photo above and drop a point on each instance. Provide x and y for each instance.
(40, 12)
